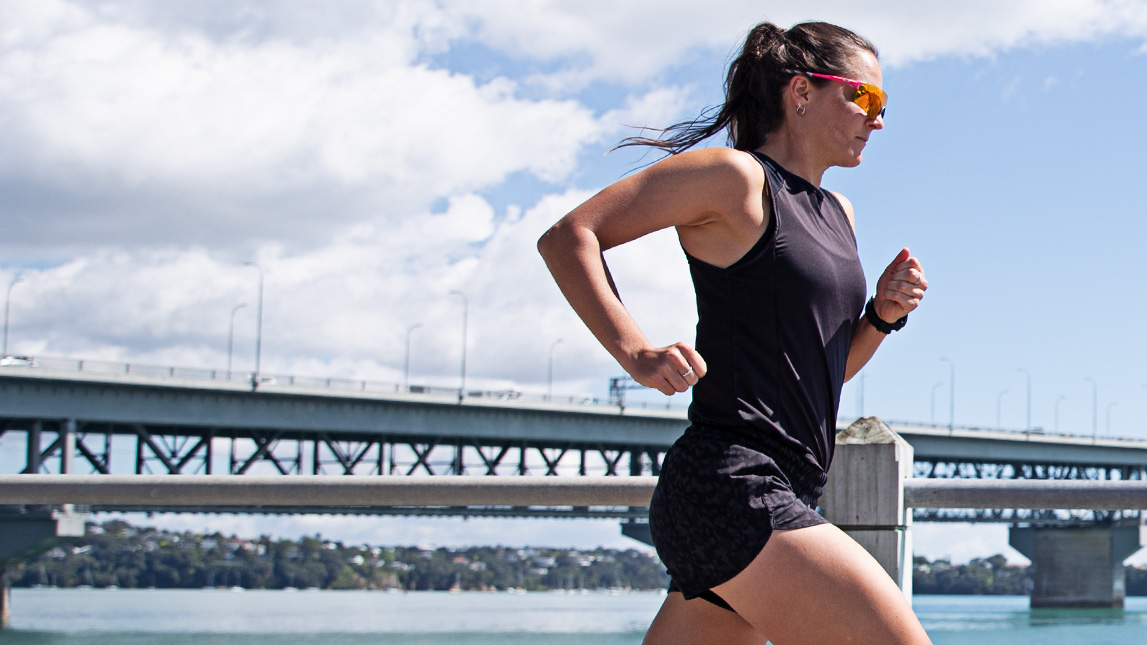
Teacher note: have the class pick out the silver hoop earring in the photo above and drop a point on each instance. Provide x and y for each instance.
(800, 109)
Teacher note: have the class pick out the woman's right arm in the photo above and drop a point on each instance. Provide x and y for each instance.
(698, 192)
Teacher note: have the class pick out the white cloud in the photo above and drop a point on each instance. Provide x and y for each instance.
(351, 301)
(634, 40)
(118, 134)
(231, 124)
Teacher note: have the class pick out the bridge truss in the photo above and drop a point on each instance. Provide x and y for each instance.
(1027, 470)
(192, 450)
(137, 448)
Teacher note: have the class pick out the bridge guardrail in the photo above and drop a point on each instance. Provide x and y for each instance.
(17, 362)
(454, 490)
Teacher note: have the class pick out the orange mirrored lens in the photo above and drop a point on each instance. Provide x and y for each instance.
(872, 99)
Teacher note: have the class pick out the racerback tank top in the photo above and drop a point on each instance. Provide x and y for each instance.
(775, 327)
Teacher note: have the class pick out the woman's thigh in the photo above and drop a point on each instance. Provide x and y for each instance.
(816, 585)
(699, 622)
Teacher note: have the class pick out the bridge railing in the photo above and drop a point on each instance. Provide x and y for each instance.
(451, 490)
(247, 378)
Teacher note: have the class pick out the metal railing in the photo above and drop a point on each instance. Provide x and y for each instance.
(238, 377)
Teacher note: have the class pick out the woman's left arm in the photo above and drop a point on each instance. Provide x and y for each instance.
(898, 293)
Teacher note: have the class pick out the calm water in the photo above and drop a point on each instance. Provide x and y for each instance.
(173, 617)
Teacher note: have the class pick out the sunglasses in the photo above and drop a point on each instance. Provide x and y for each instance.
(868, 96)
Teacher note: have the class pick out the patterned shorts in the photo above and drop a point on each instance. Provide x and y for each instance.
(721, 494)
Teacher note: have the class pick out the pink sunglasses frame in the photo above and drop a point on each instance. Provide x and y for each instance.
(856, 85)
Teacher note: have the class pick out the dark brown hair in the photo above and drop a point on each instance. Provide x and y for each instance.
(754, 86)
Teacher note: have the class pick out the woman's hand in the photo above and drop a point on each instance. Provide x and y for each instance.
(900, 288)
(670, 369)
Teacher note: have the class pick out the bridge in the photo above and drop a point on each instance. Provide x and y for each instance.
(75, 416)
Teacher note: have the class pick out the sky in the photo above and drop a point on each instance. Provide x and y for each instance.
(373, 157)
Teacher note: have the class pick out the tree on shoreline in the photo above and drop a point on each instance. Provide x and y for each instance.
(117, 554)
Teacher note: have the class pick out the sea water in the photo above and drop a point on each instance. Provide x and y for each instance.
(181, 617)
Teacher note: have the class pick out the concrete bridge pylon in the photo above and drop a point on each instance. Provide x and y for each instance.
(1078, 566)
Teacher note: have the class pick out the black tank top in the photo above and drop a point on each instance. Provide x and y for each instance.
(775, 327)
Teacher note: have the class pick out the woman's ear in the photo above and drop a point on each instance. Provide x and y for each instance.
(798, 90)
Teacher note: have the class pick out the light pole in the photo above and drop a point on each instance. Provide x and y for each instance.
(999, 403)
(258, 325)
(935, 386)
(1029, 381)
(860, 395)
(406, 363)
(1109, 406)
(1094, 407)
(465, 320)
(951, 393)
(1061, 397)
(550, 371)
(8, 301)
(231, 336)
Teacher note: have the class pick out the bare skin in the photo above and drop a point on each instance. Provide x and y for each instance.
(812, 585)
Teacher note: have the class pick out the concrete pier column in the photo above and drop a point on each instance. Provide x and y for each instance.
(5, 599)
(1078, 566)
(68, 448)
(865, 495)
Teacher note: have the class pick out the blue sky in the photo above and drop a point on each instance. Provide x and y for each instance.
(375, 156)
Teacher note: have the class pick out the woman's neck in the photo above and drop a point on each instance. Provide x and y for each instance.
(794, 155)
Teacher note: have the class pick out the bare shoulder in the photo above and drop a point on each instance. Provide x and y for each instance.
(717, 182)
(847, 206)
(694, 190)
(725, 164)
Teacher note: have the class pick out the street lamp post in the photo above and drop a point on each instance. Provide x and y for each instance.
(8, 301)
(465, 320)
(1061, 397)
(406, 362)
(550, 371)
(258, 325)
(951, 393)
(1108, 426)
(935, 386)
(1094, 407)
(999, 403)
(1029, 391)
(231, 336)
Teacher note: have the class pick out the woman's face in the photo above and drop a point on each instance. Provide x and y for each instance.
(842, 127)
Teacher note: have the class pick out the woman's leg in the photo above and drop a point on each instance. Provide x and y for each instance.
(699, 622)
(818, 586)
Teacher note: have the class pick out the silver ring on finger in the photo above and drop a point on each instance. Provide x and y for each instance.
(687, 372)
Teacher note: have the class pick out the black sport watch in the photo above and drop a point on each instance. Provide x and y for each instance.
(878, 323)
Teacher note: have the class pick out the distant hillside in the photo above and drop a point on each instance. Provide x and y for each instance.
(991, 576)
(117, 554)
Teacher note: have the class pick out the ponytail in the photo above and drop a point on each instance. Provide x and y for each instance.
(755, 83)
